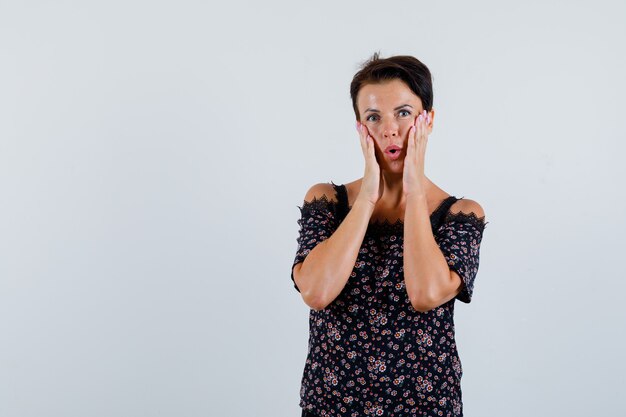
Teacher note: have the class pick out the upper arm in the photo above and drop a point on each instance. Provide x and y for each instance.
(460, 243)
(319, 191)
(467, 206)
(317, 223)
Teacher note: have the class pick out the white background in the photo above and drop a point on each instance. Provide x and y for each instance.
(153, 154)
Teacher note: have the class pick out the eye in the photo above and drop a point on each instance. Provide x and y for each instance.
(404, 111)
(369, 118)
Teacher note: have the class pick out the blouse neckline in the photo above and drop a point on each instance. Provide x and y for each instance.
(385, 225)
(399, 223)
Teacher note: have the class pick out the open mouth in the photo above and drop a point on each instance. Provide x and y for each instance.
(394, 154)
(393, 150)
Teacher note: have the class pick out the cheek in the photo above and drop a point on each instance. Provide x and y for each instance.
(406, 127)
(374, 130)
(376, 133)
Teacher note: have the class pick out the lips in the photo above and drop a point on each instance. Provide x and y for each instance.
(393, 151)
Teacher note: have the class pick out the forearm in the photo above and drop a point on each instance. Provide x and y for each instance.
(425, 267)
(327, 268)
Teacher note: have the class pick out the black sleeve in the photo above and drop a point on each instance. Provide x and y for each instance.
(459, 238)
(317, 223)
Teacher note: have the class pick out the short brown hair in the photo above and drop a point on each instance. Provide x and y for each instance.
(409, 69)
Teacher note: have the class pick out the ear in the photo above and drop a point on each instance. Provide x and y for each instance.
(431, 113)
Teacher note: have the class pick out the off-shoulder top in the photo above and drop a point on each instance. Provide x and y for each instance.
(370, 353)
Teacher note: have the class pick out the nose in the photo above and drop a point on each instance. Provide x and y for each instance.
(390, 130)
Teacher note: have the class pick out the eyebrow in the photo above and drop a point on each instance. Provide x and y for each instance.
(397, 108)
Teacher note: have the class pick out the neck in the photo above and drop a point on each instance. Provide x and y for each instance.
(393, 192)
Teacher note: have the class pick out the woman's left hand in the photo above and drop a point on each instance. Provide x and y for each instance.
(413, 179)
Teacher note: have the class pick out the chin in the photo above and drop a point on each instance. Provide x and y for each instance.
(397, 167)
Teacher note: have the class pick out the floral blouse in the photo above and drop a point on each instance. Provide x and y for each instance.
(370, 353)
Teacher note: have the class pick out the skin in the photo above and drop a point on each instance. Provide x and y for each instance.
(387, 190)
(382, 123)
(391, 114)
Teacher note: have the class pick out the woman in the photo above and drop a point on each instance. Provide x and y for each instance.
(381, 260)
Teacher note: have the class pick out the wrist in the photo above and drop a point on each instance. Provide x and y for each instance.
(417, 196)
(364, 203)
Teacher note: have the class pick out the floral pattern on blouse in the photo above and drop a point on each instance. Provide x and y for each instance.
(370, 353)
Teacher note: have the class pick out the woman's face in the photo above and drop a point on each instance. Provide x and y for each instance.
(389, 109)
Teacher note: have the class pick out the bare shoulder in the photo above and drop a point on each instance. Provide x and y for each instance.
(320, 191)
(467, 206)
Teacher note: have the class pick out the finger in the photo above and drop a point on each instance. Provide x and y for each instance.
(411, 142)
(367, 136)
(420, 128)
(366, 131)
(373, 156)
(422, 135)
(362, 139)
(372, 151)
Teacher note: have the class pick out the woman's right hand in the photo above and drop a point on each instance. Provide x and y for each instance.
(372, 184)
